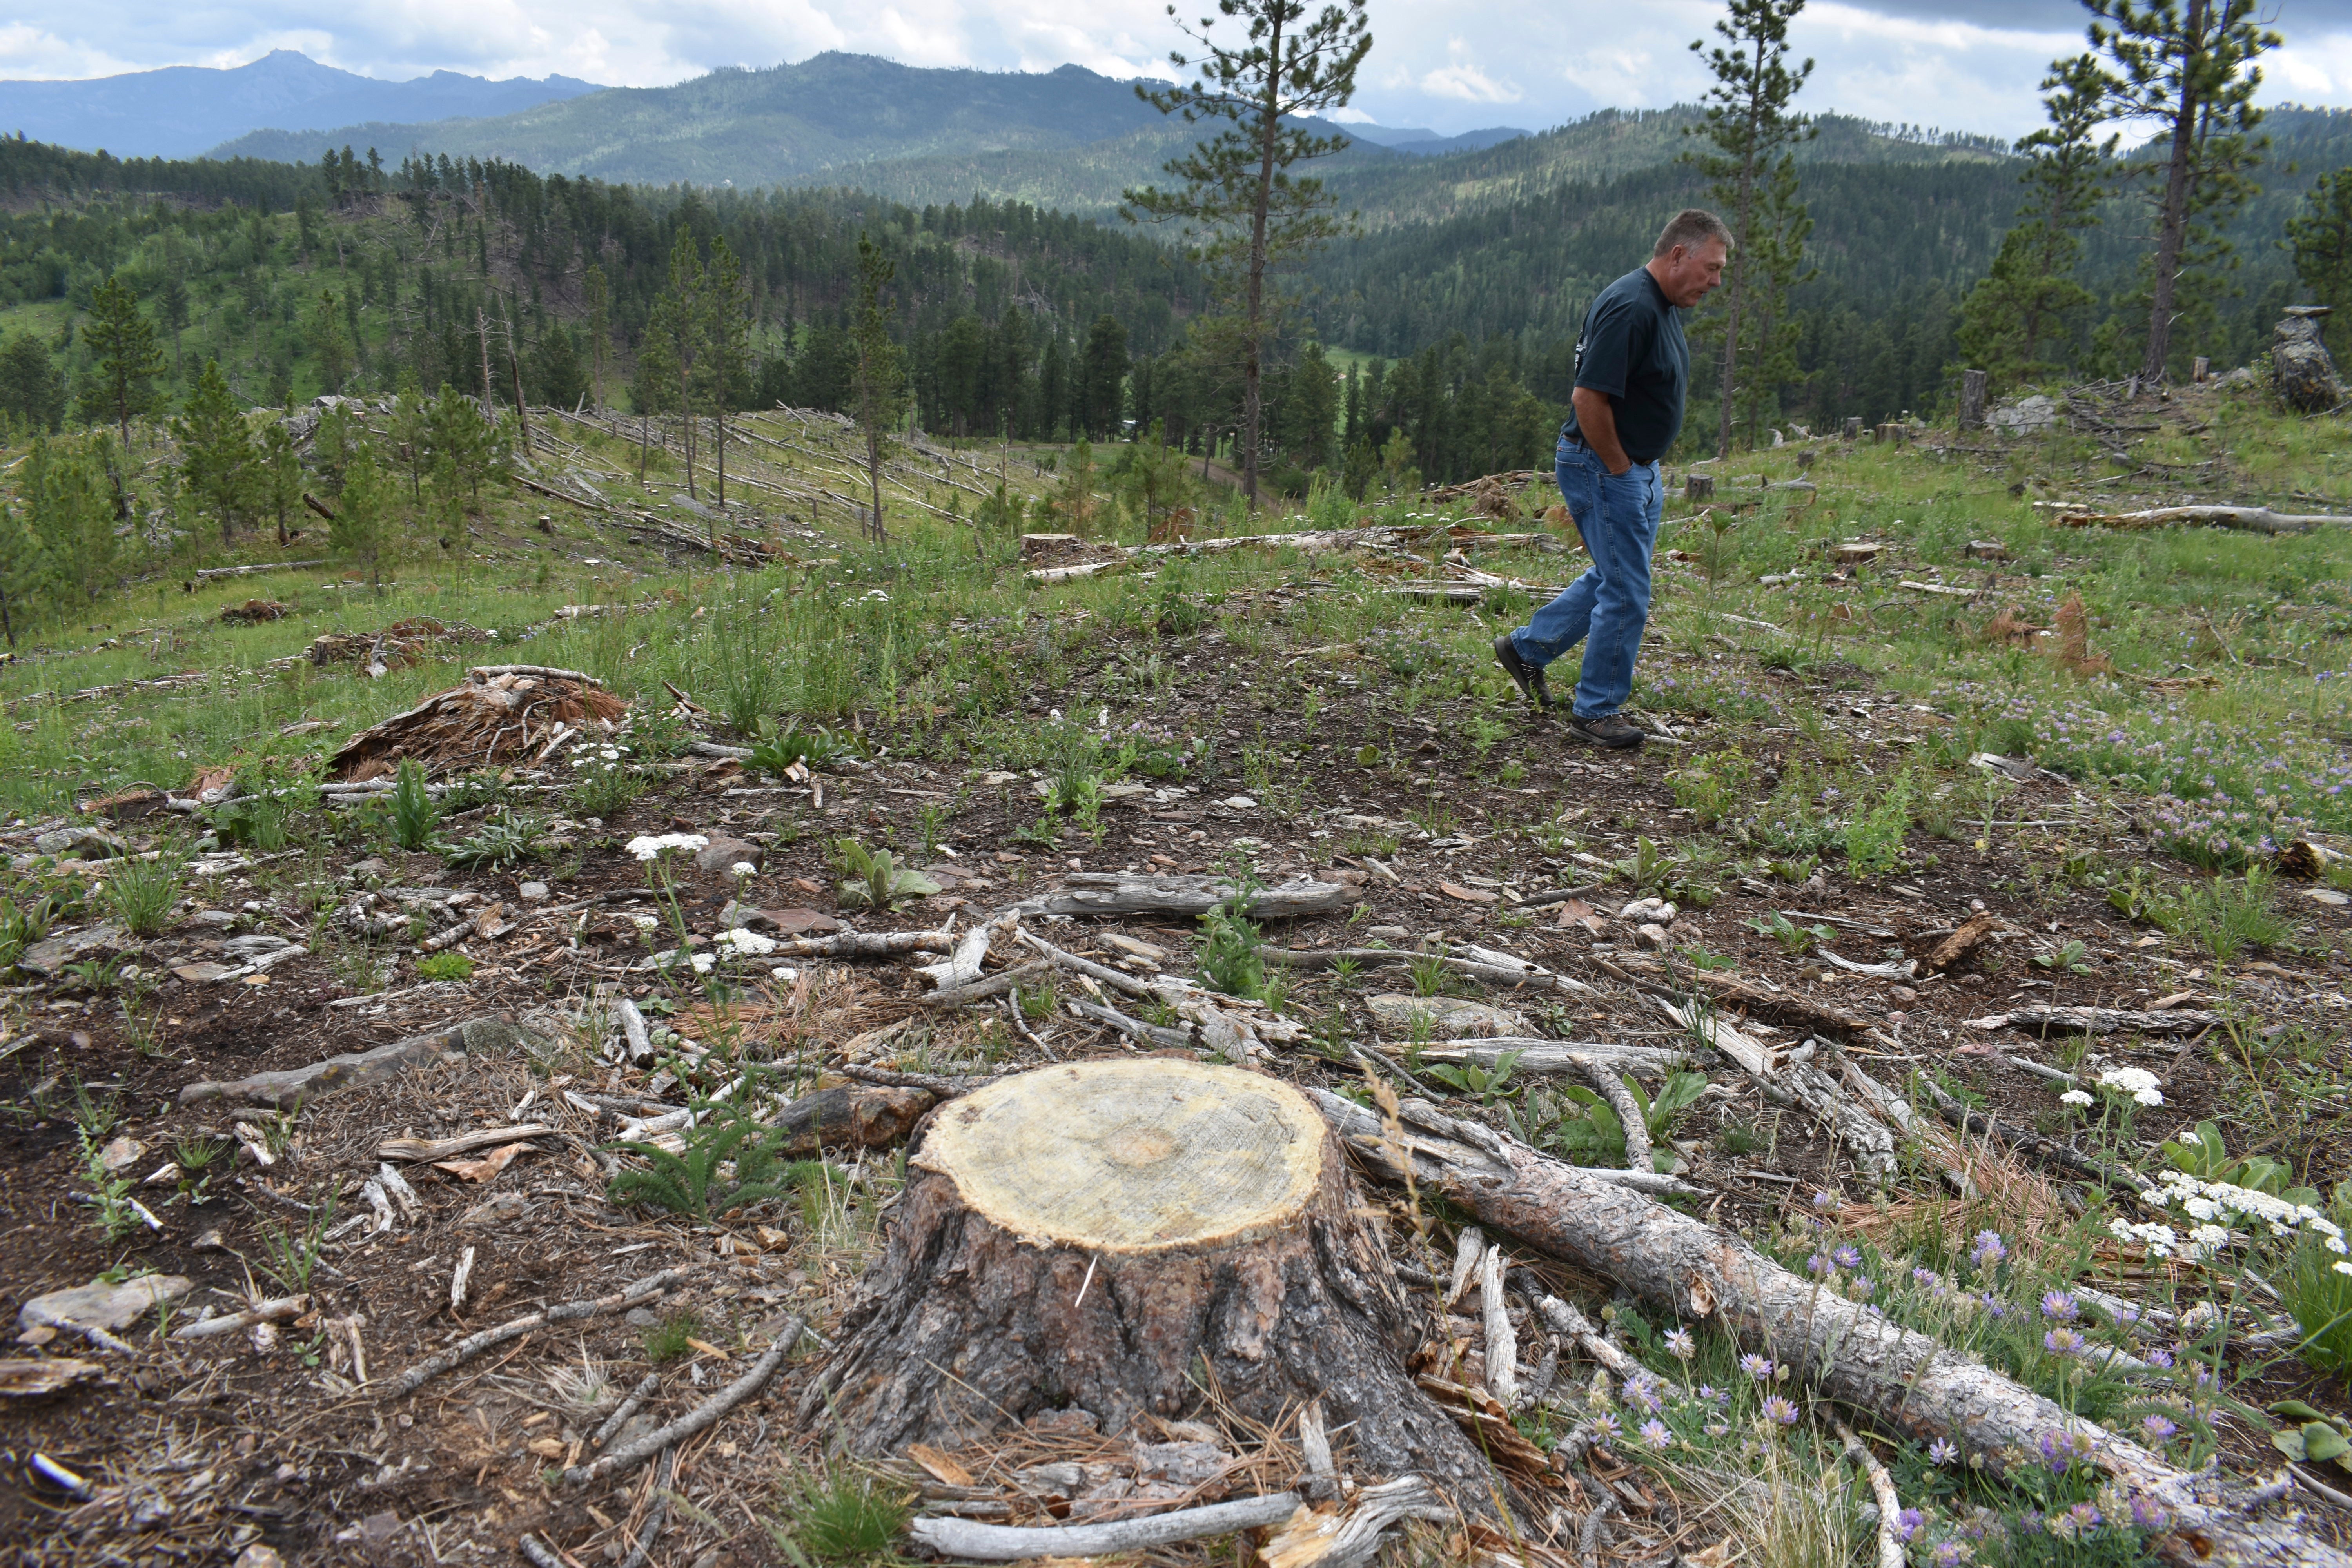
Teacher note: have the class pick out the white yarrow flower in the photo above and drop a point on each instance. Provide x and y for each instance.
(2074, 1097)
(2341, 1266)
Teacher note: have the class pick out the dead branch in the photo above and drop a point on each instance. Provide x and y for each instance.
(1882, 1487)
(2098, 1021)
(465, 1349)
(629, 1456)
(952, 1537)
(644, 1390)
(276, 1312)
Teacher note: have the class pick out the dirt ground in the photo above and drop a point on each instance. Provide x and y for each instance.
(197, 1450)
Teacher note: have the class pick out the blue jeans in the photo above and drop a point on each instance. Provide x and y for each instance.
(1606, 608)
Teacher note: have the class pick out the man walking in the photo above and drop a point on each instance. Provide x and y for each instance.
(1633, 369)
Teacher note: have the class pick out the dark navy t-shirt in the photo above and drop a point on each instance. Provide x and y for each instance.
(1633, 350)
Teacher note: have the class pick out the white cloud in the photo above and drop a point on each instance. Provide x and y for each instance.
(1461, 78)
(1961, 64)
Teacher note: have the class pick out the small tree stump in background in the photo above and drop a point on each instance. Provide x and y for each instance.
(1972, 399)
(1111, 1237)
(1852, 430)
(1698, 487)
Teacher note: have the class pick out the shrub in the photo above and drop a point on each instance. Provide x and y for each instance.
(445, 966)
(142, 893)
(414, 812)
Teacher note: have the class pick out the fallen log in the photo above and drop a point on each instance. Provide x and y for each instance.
(1544, 1058)
(1097, 1235)
(1115, 894)
(960, 1538)
(210, 572)
(2098, 1021)
(357, 1069)
(2245, 519)
(275, 1312)
(2047, 1149)
(1908, 1383)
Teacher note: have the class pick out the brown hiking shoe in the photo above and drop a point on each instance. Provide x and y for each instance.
(1613, 730)
(1528, 678)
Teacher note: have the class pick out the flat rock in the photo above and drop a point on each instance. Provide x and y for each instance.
(49, 958)
(532, 893)
(721, 854)
(82, 843)
(100, 1305)
(1449, 1017)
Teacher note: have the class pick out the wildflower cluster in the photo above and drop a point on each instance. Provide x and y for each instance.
(2220, 795)
(2137, 1084)
(2217, 1206)
(650, 847)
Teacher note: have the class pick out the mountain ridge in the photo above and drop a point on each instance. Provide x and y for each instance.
(180, 111)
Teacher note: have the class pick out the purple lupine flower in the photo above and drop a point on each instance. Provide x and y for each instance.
(1847, 1256)
(1755, 1366)
(1655, 1433)
(1942, 1452)
(1951, 1555)
(1778, 1409)
(2065, 1341)
(2158, 1430)
(2150, 1515)
(2058, 1304)
(1989, 1249)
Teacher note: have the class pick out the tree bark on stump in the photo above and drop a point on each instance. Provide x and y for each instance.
(1972, 399)
(1117, 1237)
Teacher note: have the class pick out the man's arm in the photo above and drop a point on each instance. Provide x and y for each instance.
(1596, 421)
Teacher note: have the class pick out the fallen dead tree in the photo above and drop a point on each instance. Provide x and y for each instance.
(1906, 1381)
(2245, 519)
(952, 1537)
(355, 1069)
(2098, 1021)
(1115, 894)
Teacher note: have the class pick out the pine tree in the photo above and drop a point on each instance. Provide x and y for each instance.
(726, 334)
(66, 507)
(327, 342)
(277, 472)
(32, 392)
(122, 341)
(1251, 216)
(1103, 378)
(217, 455)
(877, 383)
(412, 432)
(2320, 235)
(2186, 66)
(360, 532)
(2015, 313)
(1754, 172)
(596, 291)
(685, 326)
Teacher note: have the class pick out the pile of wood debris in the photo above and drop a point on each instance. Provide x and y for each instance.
(501, 714)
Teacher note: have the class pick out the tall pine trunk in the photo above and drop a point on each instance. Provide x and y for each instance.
(1252, 349)
(2172, 218)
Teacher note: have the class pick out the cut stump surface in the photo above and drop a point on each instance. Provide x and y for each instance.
(1100, 1237)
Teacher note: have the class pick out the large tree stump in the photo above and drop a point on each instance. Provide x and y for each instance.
(1119, 1237)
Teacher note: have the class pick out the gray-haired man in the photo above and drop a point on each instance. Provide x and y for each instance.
(1632, 374)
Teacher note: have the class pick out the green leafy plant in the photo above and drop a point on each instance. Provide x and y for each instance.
(1677, 1094)
(1794, 940)
(1591, 1134)
(445, 966)
(1229, 948)
(291, 1253)
(110, 1194)
(196, 1157)
(252, 822)
(608, 789)
(1712, 786)
(2073, 958)
(693, 1183)
(414, 814)
(873, 880)
(2319, 1299)
(2227, 917)
(1490, 1084)
(779, 750)
(496, 845)
(141, 893)
(22, 925)
(1873, 840)
(2199, 1152)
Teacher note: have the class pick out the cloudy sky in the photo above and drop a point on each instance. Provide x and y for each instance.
(1967, 65)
